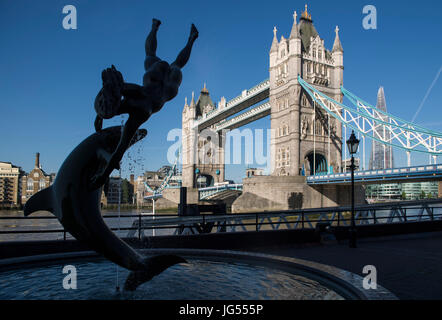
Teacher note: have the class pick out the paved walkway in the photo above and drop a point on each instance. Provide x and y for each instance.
(409, 266)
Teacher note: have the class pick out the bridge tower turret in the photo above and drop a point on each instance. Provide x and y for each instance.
(285, 65)
(302, 143)
(189, 136)
(203, 151)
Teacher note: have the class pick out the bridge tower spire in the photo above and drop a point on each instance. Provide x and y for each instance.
(203, 151)
(305, 141)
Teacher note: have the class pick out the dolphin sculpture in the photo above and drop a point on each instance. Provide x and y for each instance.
(77, 206)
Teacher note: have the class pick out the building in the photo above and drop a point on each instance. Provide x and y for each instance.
(113, 190)
(381, 156)
(139, 190)
(379, 192)
(203, 154)
(346, 164)
(10, 184)
(419, 190)
(402, 191)
(306, 141)
(251, 172)
(35, 181)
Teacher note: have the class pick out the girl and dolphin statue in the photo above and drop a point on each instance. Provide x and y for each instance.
(75, 196)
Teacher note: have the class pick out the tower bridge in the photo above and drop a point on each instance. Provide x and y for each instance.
(304, 98)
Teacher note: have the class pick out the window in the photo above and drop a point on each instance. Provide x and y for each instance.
(42, 184)
(30, 185)
(288, 157)
(279, 158)
(318, 128)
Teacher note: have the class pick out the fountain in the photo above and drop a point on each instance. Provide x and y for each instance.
(74, 199)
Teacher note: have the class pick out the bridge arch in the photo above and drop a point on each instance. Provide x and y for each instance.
(315, 164)
(205, 180)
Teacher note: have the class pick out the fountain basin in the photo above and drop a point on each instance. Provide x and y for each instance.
(209, 275)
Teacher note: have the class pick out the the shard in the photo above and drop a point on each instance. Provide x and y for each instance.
(381, 156)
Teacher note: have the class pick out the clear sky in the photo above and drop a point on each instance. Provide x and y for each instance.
(49, 76)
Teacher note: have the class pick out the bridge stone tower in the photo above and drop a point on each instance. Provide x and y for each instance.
(202, 151)
(302, 143)
(305, 140)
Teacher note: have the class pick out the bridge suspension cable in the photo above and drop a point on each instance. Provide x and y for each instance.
(377, 124)
(166, 180)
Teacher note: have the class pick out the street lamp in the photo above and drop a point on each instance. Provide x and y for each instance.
(352, 145)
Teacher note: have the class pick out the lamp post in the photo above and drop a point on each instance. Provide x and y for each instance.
(352, 145)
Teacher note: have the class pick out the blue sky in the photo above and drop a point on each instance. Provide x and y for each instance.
(49, 76)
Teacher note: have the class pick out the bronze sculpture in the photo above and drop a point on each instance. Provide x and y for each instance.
(160, 84)
(75, 196)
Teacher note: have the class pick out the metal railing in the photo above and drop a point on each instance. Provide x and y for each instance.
(418, 172)
(142, 225)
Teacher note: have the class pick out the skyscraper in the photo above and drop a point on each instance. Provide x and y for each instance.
(381, 156)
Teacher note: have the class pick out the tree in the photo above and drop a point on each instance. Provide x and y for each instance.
(422, 196)
(126, 191)
(403, 195)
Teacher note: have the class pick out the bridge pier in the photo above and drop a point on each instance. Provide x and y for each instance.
(272, 193)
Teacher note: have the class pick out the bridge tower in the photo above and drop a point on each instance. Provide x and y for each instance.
(202, 151)
(302, 143)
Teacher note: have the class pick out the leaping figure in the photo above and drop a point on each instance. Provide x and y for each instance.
(160, 84)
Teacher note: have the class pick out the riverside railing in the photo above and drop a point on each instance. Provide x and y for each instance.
(142, 225)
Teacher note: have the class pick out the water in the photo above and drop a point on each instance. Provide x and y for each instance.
(126, 222)
(17, 223)
(196, 280)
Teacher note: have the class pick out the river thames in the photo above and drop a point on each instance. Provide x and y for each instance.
(13, 220)
(15, 227)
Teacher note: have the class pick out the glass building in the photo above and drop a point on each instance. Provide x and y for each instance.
(402, 191)
(381, 156)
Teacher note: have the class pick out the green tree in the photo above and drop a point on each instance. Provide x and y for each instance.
(126, 191)
(422, 196)
(403, 195)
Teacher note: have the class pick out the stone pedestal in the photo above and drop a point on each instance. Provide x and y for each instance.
(272, 193)
(173, 195)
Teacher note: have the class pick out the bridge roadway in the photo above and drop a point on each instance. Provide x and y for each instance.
(385, 176)
(247, 99)
(251, 115)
